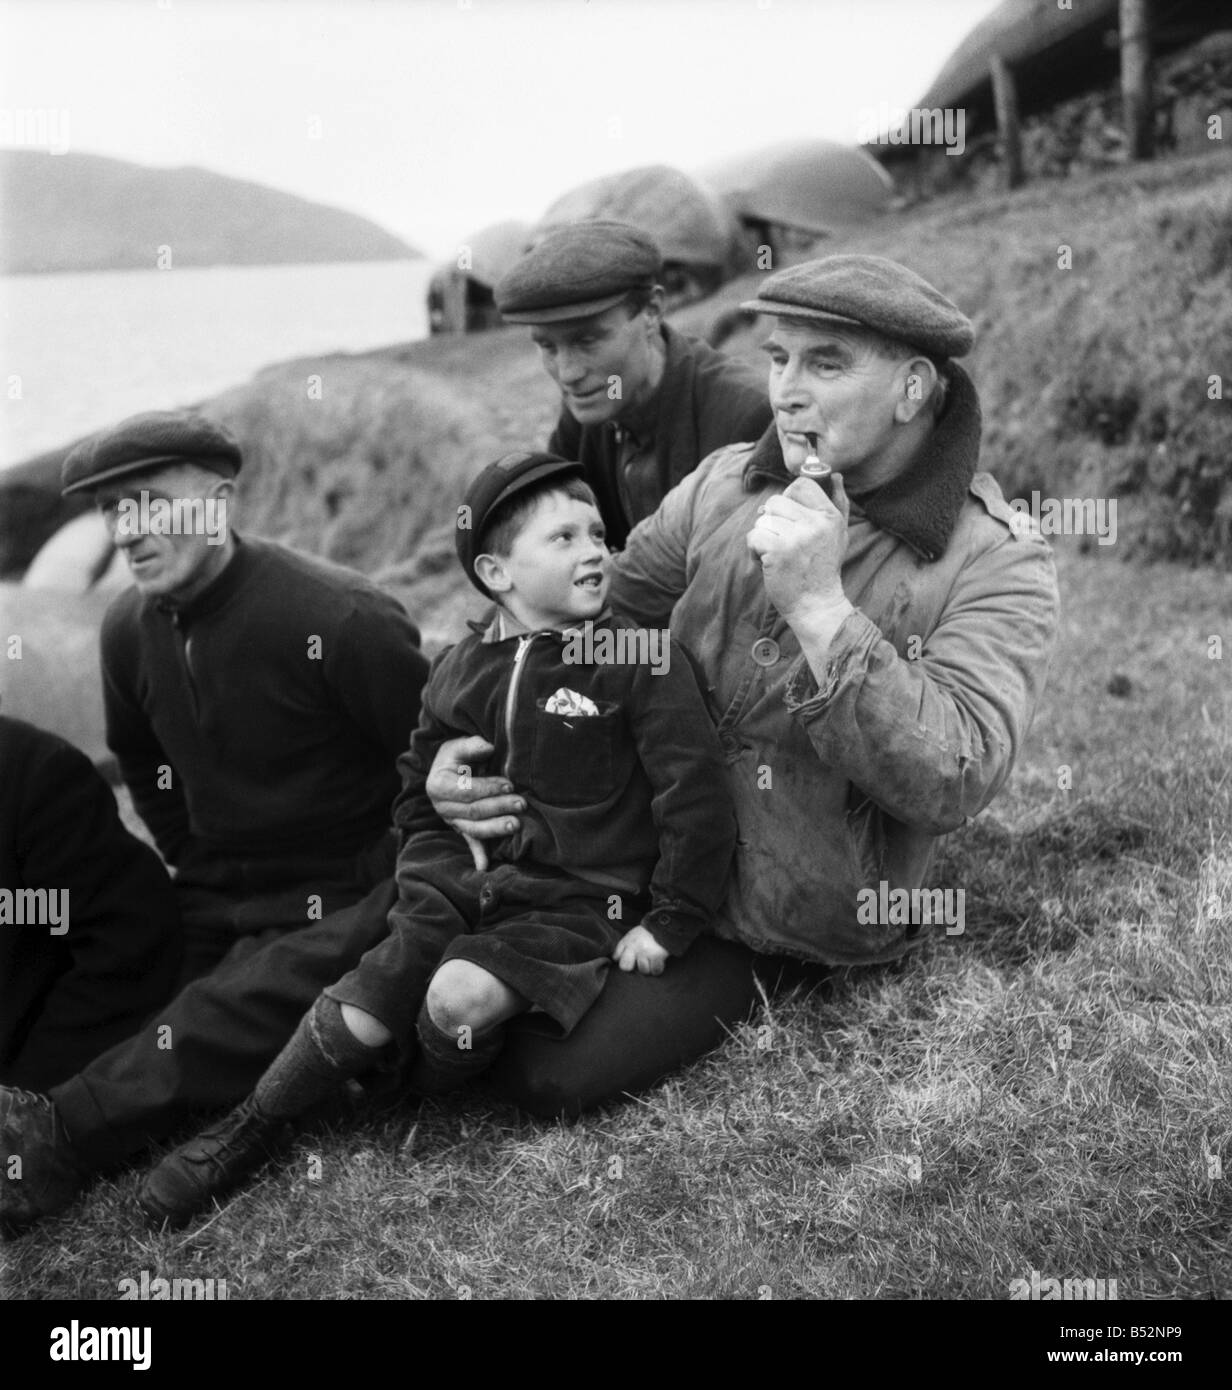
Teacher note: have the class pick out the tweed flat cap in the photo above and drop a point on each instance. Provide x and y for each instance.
(497, 483)
(578, 269)
(872, 291)
(156, 439)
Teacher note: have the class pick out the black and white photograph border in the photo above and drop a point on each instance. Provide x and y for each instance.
(351, 245)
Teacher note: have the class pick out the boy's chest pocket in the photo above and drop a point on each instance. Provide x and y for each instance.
(577, 756)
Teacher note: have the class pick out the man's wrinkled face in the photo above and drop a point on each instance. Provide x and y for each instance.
(602, 364)
(166, 563)
(833, 384)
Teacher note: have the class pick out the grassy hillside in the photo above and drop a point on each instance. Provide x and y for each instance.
(1051, 1090)
(370, 474)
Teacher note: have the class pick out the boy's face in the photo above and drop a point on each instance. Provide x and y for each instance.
(556, 572)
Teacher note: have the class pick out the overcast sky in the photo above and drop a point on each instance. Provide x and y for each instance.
(436, 117)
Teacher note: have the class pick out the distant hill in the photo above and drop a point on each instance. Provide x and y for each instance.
(88, 212)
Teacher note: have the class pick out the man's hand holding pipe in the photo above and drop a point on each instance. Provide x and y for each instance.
(800, 537)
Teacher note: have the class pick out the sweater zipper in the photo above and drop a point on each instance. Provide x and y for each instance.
(518, 659)
(181, 639)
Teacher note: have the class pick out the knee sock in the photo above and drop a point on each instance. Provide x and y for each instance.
(322, 1054)
(442, 1064)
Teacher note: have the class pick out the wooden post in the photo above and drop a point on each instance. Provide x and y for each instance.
(455, 301)
(1136, 98)
(1005, 97)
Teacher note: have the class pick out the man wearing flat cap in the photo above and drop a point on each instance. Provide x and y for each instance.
(256, 701)
(875, 645)
(641, 404)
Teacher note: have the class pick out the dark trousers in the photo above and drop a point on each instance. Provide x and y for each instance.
(641, 1028)
(542, 932)
(208, 1046)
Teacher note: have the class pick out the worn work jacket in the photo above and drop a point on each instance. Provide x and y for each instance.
(929, 687)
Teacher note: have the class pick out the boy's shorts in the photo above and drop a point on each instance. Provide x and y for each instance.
(544, 933)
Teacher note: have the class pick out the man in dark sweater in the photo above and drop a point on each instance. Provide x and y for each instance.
(257, 701)
(79, 974)
(642, 405)
(298, 683)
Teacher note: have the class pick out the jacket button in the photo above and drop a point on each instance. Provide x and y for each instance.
(765, 651)
(729, 742)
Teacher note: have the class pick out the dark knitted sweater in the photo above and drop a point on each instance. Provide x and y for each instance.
(705, 401)
(279, 698)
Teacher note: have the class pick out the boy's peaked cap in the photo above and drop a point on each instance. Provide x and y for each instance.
(498, 482)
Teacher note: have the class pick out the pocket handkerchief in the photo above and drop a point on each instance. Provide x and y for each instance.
(566, 701)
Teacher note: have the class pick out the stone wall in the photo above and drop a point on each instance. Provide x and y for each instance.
(1086, 133)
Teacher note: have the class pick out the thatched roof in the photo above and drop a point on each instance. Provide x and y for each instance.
(816, 185)
(1055, 53)
(494, 249)
(1020, 31)
(460, 291)
(690, 224)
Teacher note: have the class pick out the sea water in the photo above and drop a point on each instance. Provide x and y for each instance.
(81, 350)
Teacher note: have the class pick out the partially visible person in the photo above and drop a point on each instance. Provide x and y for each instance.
(622, 854)
(641, 404)
(89, 927)
(257, 700)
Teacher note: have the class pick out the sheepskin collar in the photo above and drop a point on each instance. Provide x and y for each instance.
(922, 504)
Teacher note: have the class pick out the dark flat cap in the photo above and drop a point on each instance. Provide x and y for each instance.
(497, 483)
(157, 439)
(872, 291)
(578, 269)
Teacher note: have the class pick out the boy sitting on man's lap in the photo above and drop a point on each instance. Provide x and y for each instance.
(628, 818)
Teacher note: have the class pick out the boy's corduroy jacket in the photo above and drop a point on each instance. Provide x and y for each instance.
(634, 795)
